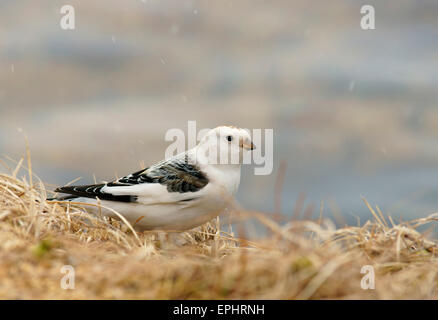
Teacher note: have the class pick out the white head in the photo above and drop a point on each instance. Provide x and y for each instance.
(225, 145)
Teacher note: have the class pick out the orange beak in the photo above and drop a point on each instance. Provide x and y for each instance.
(248, 145)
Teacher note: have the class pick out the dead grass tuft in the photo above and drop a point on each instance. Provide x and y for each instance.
(298, 260)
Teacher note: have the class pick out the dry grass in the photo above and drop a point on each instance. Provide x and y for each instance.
(299, 260)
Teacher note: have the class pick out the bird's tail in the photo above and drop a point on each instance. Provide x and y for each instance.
(62, 198)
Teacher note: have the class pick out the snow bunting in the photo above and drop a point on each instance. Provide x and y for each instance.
(179, 193)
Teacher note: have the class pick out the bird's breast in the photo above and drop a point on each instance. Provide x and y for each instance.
(225, 179)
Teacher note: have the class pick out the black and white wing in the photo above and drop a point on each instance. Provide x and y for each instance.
(93, 191)
(177, 175)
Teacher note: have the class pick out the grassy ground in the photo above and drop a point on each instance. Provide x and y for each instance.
(297, 260)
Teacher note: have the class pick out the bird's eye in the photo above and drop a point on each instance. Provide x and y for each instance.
(229, 138)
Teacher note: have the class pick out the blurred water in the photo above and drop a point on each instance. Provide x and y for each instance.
(354, 112)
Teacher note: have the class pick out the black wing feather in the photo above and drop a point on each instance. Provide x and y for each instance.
(177, 176)
(95, 191)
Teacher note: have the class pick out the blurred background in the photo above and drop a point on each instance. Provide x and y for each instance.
(354, 112)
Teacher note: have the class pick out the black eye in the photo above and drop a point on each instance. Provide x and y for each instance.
(229, 138)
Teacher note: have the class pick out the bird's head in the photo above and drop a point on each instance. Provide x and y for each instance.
(226, 144)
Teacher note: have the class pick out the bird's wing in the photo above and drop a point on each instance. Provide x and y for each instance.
(95, 190)
(176, 175)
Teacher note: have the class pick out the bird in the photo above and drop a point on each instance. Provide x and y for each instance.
(178, 193)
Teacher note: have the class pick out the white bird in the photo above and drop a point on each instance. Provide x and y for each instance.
(179, 193)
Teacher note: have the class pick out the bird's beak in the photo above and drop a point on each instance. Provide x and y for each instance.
(248, 145)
